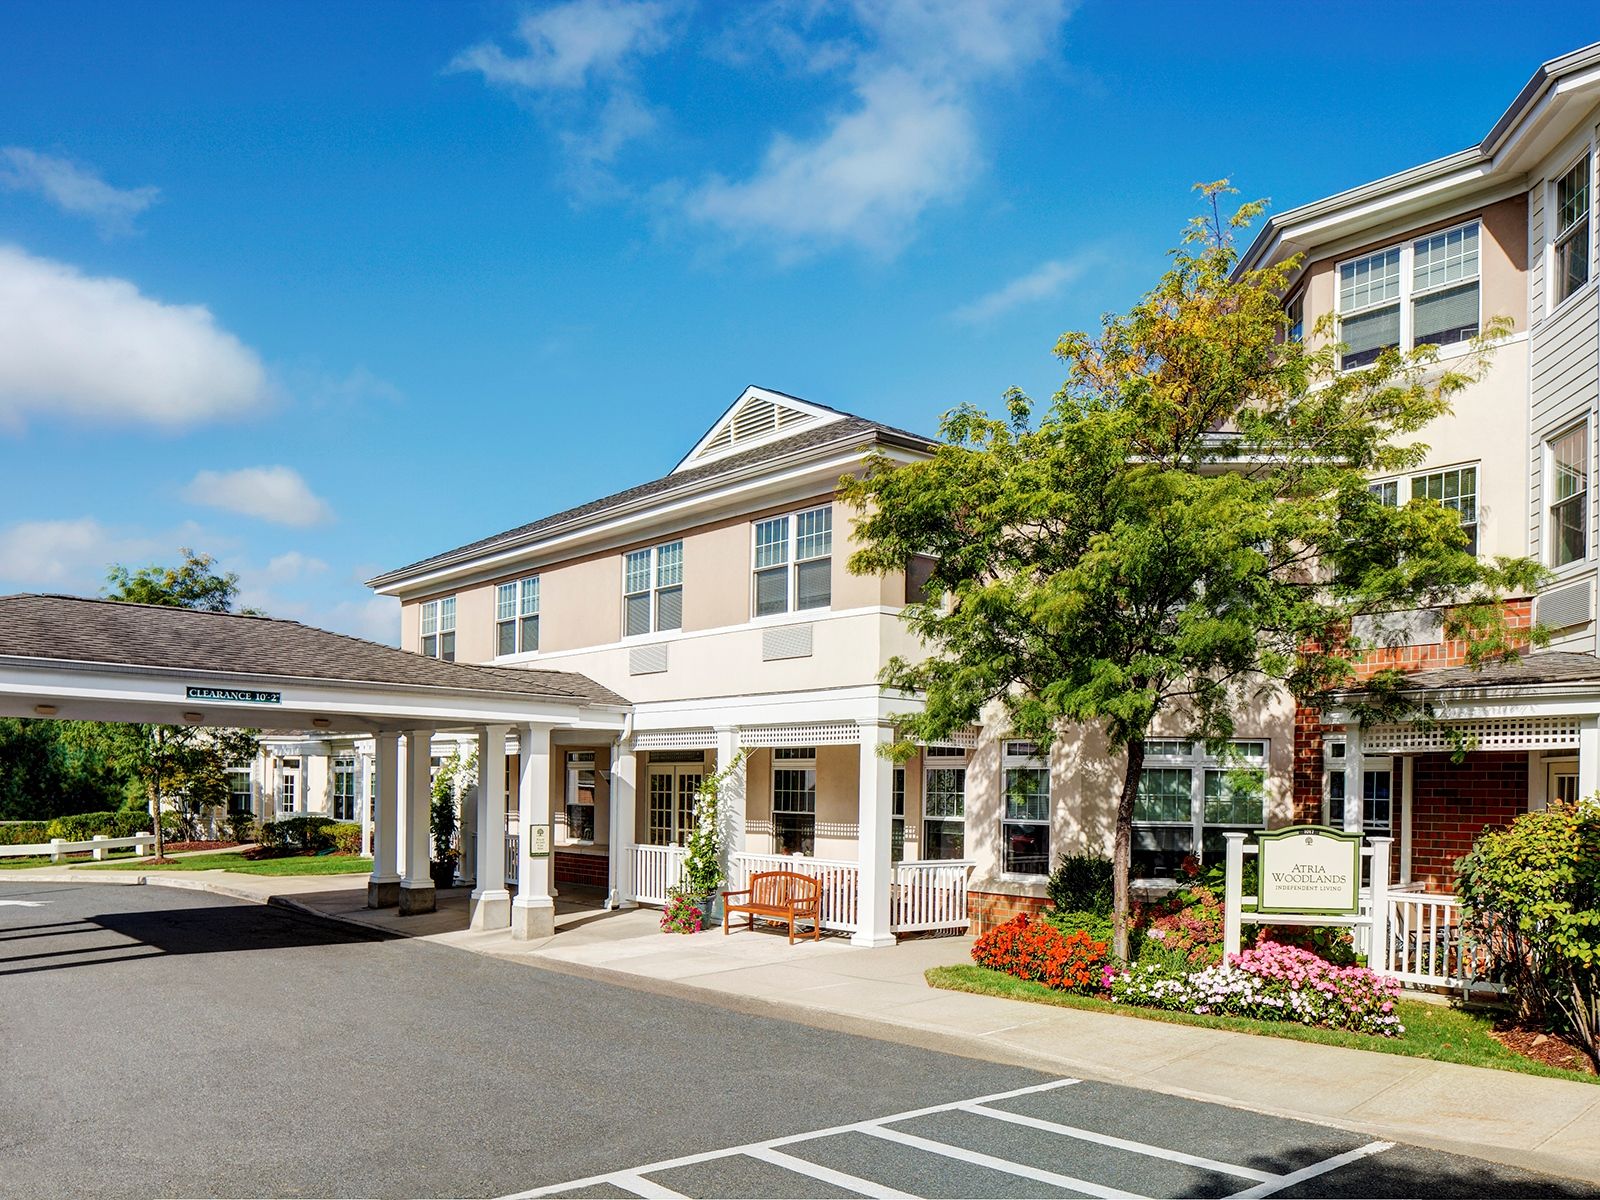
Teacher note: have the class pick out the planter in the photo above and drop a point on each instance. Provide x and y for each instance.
(444, 874)
(710, 909)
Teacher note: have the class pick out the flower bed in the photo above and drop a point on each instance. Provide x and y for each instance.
(1030, 948)
(1271, 982)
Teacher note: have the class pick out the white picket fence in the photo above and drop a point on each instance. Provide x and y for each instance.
(100, 847)
(924, 895)
(1427, 947)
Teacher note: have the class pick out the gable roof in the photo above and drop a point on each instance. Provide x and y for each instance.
(76, 629)
(841, 431)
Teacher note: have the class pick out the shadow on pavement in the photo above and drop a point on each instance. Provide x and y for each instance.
(1405, 1171)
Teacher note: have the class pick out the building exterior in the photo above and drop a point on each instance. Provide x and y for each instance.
(717, 601)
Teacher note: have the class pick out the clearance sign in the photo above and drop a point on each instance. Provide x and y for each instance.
(1309, 869)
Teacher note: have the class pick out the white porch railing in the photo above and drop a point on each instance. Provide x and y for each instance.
(929, 895)
(58, 849)
(513, 855)
(1427, 946)
(656, 871)
(840, 880)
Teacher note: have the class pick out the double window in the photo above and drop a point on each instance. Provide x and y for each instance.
(1455, 488)
(516, 616)
(794, 799)
(1571, 241)
(675, 779)
(1567, 527)
(794, 562)
(439, 629)
(944, 802)
(1025, 821)
(239, 797)
(581, 777)
(344, 789)
(1189, 798)
(652, 589)
(1377, 799)
(1425, 292)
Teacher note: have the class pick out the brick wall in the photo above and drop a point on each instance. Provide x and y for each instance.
(1457, 801)
(989, 909)
(582, 870)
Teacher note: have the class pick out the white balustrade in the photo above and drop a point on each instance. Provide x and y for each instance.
(840, 880)
(1427, 943)
(656, 871)
(58, 849)
(929, 895)
(513, 854)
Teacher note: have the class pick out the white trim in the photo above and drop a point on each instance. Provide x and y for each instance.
(813, 415)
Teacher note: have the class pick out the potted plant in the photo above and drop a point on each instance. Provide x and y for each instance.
(703, 870)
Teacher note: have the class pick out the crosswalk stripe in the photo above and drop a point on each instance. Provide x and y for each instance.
(1000, 1164)
(1274, 1186)
(839, 1179)
(1106, 1139)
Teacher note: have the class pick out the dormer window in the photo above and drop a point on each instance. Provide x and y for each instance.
(794, 562)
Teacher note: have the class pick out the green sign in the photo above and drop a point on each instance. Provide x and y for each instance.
(235, 695)
(1309, 869)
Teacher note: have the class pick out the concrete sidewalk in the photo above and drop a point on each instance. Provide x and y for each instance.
(1549, 1125)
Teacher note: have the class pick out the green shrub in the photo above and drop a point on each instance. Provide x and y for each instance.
(1531, 894)
(24, 833)
(241, 827)
(1081, 883)
(1096, 925)
(308, 834)
(346, 838)
(80, 827)
(129, 822)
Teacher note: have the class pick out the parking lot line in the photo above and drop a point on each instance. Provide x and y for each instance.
(1273, 1186)
(839, 1179)
(1106, 1139)
(645, 1189)
(1006, 1166)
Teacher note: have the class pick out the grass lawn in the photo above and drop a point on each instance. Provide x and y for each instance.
(233, 860)
(1434, 1031)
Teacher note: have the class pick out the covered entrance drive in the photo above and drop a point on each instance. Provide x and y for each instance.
(70, 658)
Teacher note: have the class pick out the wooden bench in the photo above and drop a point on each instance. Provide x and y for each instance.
(782, 896)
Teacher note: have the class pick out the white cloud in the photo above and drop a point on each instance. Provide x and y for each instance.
(292, 565)
(276, 494)
(97, 348)
(569, 45)
(377, 618)
(1044, 282)
(74, 189)
(906, 140)
(73, 554)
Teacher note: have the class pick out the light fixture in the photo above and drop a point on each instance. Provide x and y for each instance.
(46, 710)
(194, 718)
(321, 722)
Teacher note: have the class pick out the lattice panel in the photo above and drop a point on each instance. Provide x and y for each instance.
(676, 739)
(833, 734)
(967, 740)
(1496, 733)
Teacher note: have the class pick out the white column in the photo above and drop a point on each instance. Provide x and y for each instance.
(364, 799)
(416, 883)
(732, 799)
(533, 913)
(1353, 804)
(467, 841)
(491, 902)
(1232, 894)
(1406, 768)
(383, 889)
(1588, 757)
(624, 787)
(875, 840)
(1378, 949)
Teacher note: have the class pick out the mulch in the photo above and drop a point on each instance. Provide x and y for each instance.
(184, 847)
(1550, 1049)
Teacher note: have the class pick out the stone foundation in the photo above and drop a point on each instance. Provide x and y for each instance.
(416, 900)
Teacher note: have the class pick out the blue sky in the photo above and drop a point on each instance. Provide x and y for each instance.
(322, 289)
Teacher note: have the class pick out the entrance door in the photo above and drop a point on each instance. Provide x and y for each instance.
(671, 796)
(1562, 783)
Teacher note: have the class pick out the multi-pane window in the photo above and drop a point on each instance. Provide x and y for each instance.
(1188, 798)
(675, 779)
(794, 562)
(897, 819)
(1444, 287)
(516, 616)
(1425, 292)
(581, 776)
(1572, 230)
(944, 802)
(1568, 525)
(1369, 306)
(1377, 800)
(439, 629)
(239, 798)
(1455, 487)
(1295, 311)
(1025, 820)
(288, 785)
(344, 789)
(794, 800)
(652, 589)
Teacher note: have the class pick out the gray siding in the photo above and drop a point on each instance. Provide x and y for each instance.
(1564, 386)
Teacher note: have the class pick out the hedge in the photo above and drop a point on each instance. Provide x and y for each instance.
(80, 827)
(24, 833)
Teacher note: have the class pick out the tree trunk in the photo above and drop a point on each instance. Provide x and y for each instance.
(1122, 854)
